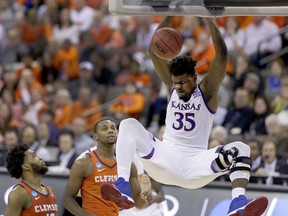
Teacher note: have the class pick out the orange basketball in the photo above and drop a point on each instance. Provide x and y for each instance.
(166, 43)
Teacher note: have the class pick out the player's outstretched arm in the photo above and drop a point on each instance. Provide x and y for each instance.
(17, 200)
(79, 171)
(136, 189)
(217, 70)
(161, 66)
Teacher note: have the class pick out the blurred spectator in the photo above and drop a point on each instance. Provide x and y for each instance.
(261, 109)
(157, 110)
(101, 31)
(67, 154)
(66, 29)
(47, 116)
(10, 139)
(49, 74)
(66, 61)
(131, 103)
(33, 33)
(277, 133)
(6, 14)
(86, 107)
(10, 50)
(28, 62)
(238, 117)
(220, 134)
(45, 138)
(29, 137)
(102, 73)
(282, 139)
(271, 165)
(276, 69)
(242, 67)
(8, 97)
(28, 83)
(82, 140)
(261, 35)
(139, 75)
(6, 119)
(272, 126)
(280, 102)
(252, 84)
(144, 31)
(31, 114)
(88, 46)
(255, 155)
(85, 80)
(233, 35)
(82, 15)
(62, 108)
(9, 79)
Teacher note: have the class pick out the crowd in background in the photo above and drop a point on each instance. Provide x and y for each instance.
(66, 63)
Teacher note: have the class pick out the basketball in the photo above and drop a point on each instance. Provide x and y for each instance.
(166, 43)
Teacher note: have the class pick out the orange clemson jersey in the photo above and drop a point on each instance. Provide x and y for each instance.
(42, 205)
(92, 201)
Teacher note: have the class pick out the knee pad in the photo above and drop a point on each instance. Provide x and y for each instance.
(241, 168)
(226, 157)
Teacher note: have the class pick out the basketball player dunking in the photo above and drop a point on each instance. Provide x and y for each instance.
(182, 157)
(29, 196)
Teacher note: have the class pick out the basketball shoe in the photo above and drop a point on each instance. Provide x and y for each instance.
(241, 206)
(119, 193)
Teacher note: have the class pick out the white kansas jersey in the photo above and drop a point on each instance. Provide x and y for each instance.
(188, 124)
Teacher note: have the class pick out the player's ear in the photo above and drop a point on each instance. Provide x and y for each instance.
(95, 136)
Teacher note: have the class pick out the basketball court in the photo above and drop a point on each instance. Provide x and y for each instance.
(202, 8)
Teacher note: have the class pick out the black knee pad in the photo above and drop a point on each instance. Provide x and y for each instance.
(228, 156)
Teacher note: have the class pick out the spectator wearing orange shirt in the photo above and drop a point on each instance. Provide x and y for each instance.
(101, 31)
(86, 107)
(204, 52)
(131, 103)
(139, 76)
(66, 60)
(62, 108)
(33, 33)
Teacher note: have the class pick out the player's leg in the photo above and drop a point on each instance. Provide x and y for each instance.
(132, 137)
(236, 157)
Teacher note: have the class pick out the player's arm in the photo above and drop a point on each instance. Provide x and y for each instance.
(136, 189)
(217, 70)
(161, 66)
(157, 187)
(18, 199)
(80, 169)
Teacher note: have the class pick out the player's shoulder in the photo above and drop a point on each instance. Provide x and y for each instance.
(19, 193)
(84, 154)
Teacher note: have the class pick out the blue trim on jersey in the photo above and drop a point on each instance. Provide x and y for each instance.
(205, 101)
(46, 195)
(150, 154)
(103, 162)
(218, 150)
(213, 168)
